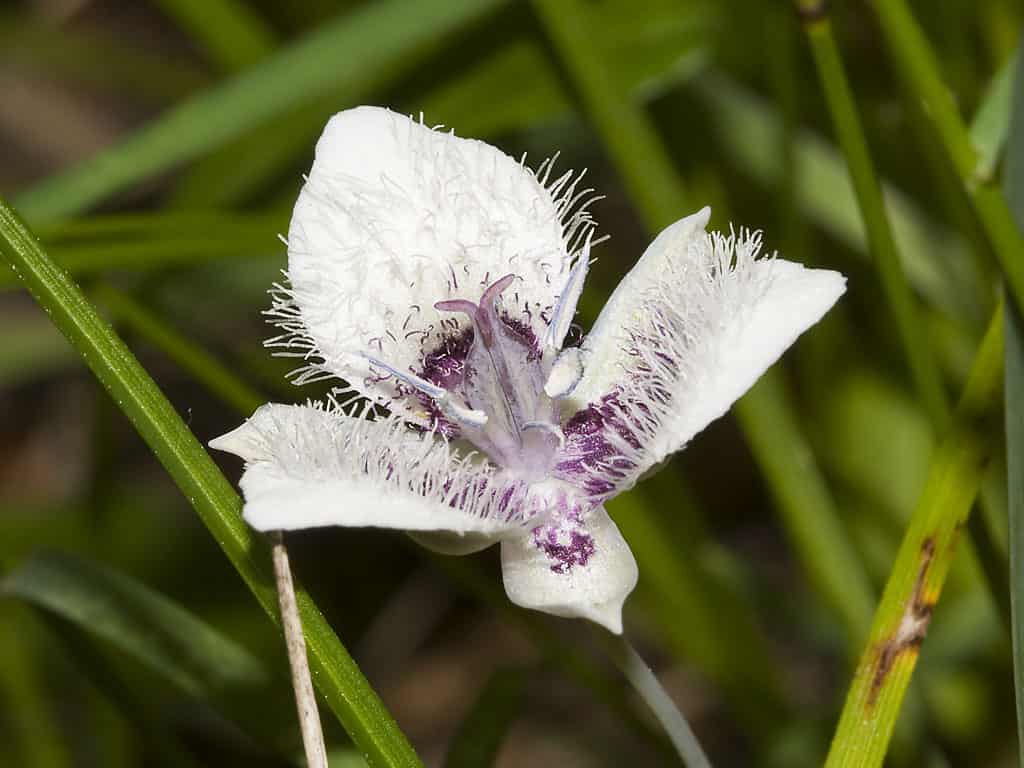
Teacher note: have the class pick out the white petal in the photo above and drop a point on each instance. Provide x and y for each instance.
(686, 333)
(550, 571)
(396, 216)
(308, 467)
(604, 349)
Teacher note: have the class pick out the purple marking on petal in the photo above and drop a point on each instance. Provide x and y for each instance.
(589, 459)
(566, 545)
(446, 365)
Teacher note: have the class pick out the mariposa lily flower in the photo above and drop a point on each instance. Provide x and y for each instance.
(438, 278)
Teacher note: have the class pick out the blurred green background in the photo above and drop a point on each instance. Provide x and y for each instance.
(157, 147)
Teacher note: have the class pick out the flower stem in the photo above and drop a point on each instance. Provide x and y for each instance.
(305, 699)
(654, 695)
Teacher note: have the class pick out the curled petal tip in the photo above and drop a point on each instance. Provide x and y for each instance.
(238, 441)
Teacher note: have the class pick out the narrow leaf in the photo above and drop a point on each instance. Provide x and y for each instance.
(991, 124)
(919, 573)
(136, 620)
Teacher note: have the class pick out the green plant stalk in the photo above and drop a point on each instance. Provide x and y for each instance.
(647, 168)
(361, 48)
(919, 573)
(917, 65)
(647, 685)
(189, 356)
(341, 683)
(868, 189)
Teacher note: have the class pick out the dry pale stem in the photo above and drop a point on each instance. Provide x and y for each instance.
(305, 699)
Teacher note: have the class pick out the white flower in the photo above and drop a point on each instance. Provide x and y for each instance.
(438, 278)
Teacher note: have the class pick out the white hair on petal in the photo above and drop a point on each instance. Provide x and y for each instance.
(348, 446)
(463, 201)
(673, 342)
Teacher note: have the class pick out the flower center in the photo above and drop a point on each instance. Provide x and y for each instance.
(503, 377)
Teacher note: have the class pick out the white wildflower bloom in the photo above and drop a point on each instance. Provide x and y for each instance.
(437, 278)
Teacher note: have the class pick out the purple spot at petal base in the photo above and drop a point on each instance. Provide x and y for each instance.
(446, 367)
(566, 548)
(589, 458)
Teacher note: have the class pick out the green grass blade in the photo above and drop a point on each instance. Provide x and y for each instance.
(919, 573)
(918, 66)
(136, 620)
(336, 674)
(1014, 185)
(363, 47)
(232, 34)
(479, 737)
(140, 242)
(991, 124)
(192, 358)
(809, 513)
(850, 133)
(626, 130)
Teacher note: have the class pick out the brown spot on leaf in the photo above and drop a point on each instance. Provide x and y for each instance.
(912, 628)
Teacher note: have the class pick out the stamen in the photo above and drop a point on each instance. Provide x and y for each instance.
(565, 374)
(548, 427)
(484, 318)
(566, 307)
(465, 416)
